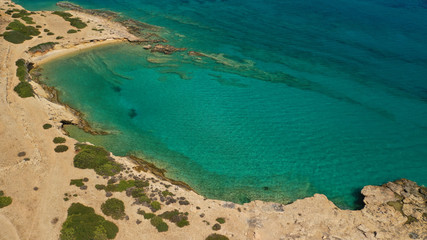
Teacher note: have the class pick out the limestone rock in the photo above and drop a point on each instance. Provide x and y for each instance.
(166, 49)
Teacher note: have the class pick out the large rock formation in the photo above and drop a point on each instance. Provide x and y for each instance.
(396, 210)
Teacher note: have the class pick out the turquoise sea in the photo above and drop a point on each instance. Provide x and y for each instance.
(297, 97)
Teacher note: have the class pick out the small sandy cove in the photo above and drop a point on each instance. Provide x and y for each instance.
(37, 184)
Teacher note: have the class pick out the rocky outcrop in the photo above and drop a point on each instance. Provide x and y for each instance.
(166, 49)
(396, 210)
(401, 204)
(197, 54)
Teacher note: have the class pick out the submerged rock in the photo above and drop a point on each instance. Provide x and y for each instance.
(166, 49)
(197, 54)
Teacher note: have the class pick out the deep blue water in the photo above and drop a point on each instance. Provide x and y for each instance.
(298, 97)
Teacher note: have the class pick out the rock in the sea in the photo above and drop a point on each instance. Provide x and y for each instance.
(197, 54)
(166, 49)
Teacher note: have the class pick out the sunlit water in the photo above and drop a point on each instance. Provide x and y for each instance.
(308, 97)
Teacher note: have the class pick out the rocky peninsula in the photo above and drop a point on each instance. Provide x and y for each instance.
(48, 180)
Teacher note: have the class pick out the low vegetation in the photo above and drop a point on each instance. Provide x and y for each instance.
(221, 220)
(159, 224)
(216, 227)
(114, 208)
(24, 90)
(71, 31)
(179, 218)
(167, 193)
(155, 206)
(18, 32)
(42, 47)
(96, 158)
(145, 214)
(119, 187)
(47, 126)
(215, 236)
(61, 148)
(83, 223)
(59, 37)
(77, 182)
(21, 71)
(59, 140)
(28, 20)
(4, 200)
(75, 22)
(397, 205)
(24, 15)
(98, 30)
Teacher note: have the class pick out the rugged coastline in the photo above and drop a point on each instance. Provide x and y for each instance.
(396, 210)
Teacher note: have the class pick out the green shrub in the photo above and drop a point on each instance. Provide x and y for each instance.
(144, 199)
(96, 158)
(5, 201)
(21, 73)
(28, 20)
(216, 227)
(215, 236)
(24, 90)
(159, 224)
(23, 14)
(169, 214)
(183, 223)
(121, 186)
(50, 33)
(141, 183)
(19, 32)
(100, 187)
(75, 22)
(77, 182)
(46, 30)
(38, 26)
(20, 62)
(146, 215)
(15, 37)
(59, 140)
(47, 126)
(221, 220)
(149, 215)
(71, 31)
(155, 205)
(16, 25)
(114, 207)
(179, 218)
(83, 223)
(137, 192)
(61, 148)
(63, 14)
(59, 37)
(167, 193)
(1, 193)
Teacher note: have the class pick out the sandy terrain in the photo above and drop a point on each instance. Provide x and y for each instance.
(38, 185)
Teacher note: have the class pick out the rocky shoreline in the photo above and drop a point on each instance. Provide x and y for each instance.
(38, 179)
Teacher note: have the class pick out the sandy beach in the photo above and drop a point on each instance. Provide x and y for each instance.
(37, 177)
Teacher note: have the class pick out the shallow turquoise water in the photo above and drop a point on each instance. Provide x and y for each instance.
(312, 97)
